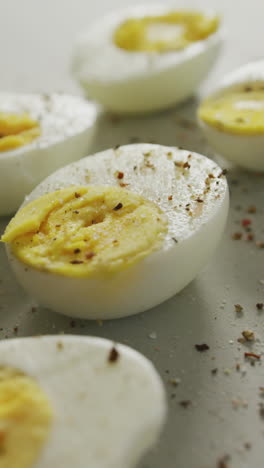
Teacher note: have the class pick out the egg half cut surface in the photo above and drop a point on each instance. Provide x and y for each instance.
(76, 401)
(39, 134)
(118, 232)
(146, 58)
(232, 117)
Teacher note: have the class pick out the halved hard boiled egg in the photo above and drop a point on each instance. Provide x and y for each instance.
(39, 134)
(76, 401)
(232, 117)
(118, 232)
(146, 58)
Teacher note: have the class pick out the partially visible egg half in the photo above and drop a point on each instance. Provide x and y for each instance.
(71, 401)
(146, 58)
(232, 116)
(39, 134)
(118, 232)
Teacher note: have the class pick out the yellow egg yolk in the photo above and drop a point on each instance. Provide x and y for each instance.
(25, 419)
(172, 31)
(239, 111)
(17, 130)
(86, 231)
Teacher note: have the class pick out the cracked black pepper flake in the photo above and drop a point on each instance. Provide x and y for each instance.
(185, 403)
(214, 371)
(202, 347)
(175, 240)
(76, 262)
(113, 355)
(72, 323)
(260, 305)
(76, 251)
(118, 207)
(77, 195)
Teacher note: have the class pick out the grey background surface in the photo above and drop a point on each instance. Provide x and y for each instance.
(224, 417)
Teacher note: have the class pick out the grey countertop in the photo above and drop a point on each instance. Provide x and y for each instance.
(224, 417)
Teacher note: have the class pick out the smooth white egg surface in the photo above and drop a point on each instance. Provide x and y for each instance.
(146, 58)
(39, 134)
(155, 216)
(71, 401)
(232, 116)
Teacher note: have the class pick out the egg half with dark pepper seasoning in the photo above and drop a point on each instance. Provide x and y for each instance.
(39, 134)
(146, 58)
(118, 232)
(76, 401)
(232, 116)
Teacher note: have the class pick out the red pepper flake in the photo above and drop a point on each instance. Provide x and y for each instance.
(260, 305)
(246, 222)
(186, 165)
(120, 175)
(77, 195)
(237, 236)
(89, 255)
(121, 184)
(76, 262)
(250, 237)
(252, 355)
(113, 355)
(118, 207)
(211, 176)
(170, 197)
(202, 347)
(185, 403)
(76, 251)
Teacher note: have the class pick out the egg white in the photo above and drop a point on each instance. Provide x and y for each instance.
(106, 414)
(187, 247)
(134, 82)
(243, 150)
(66, 124)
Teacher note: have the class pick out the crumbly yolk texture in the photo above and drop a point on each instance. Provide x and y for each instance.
(86, 231)
(165, 33)
(17, 130)
(25, 419)
(239, 112)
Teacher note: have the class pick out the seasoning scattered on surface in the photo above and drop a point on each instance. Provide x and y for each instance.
(238, 308)
(252, 356)
(214, 371)
(113, 355)
(260, 305)
(202, 347)
(237, 236)
(248, 335)
(185, 403)
(118, 207)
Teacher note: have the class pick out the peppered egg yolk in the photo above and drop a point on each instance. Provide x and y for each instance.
(17, 130)
(25, 419)
(172, 31)
(239, 111)
(86, 231)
